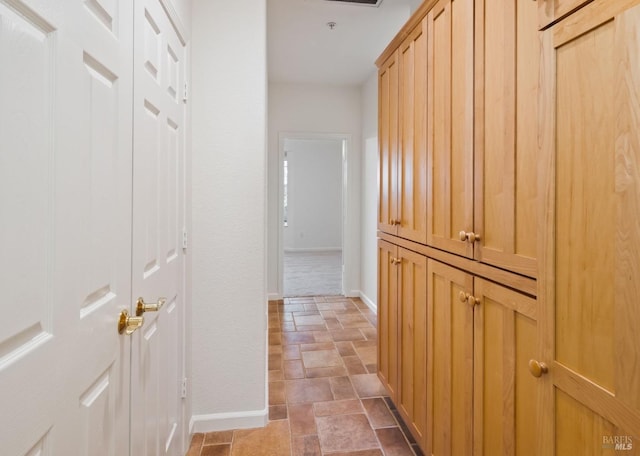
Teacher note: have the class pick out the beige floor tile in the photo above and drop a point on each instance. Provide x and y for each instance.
(215, 438)
(317, 346)
(301, 419)
(272, 440)
(276, 393)
(308, 390)
(334, 371)
(338, 407)
(368, 385)
(368, 355)
(393, 442)
(304, 320)
(293, 369)
(291, 352)
(340, 335)
(378, 413)
(345, 433)
(306, 445)
(321, 358)
(342, 388)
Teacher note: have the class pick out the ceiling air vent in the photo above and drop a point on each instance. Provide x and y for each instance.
(359, 2)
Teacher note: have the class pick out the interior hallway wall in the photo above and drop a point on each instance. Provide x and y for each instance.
(228, 244)
(369, 214)
(311, 108)
(315, 195)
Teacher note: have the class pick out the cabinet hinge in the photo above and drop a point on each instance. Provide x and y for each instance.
(185, 95)
(185, 239)
(183, 391)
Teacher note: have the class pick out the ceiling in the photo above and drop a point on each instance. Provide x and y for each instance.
(302, 48)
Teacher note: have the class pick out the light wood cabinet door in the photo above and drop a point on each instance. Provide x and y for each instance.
(553, 10)
(506, 146)
(450, 125)
(388, 329)
(591, 277)
(412, 296)
(388, 85)
(505, 392)
(450, 364)
(412, 156)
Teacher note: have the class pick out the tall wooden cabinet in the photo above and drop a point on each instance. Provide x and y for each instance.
(591, 245)
(528, 117)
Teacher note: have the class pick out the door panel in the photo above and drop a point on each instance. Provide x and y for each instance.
(450, 369)
(450, 160)
(505, 339)
(412, 155)
(65, 202)
(591, 242)
(388, 317)
(412, 298)
(388, 143)
(507, 68)
(158, 220)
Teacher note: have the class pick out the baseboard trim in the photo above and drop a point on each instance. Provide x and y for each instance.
(226, 421)
(313, 250)
(368, 302)
(274, 296)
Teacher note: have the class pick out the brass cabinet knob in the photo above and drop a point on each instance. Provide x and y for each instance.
(142, 307)
(470, 236)
(463, 296)
(473, 301)
(128, 324)
(396, 260)
(537, 368)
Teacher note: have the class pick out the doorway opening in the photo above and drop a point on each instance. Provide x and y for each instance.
(312, 254)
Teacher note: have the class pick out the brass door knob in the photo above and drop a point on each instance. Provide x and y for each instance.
(396, 260)
(463, 236)
(128, 324)
(463, 296)
(142, 307)
(537, 368)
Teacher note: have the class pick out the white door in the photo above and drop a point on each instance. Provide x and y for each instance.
(158, 220)
(65, 226)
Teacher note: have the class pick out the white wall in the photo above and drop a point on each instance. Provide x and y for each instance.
(369, 215)
(228, 244)
(308, 108)
(314, 194)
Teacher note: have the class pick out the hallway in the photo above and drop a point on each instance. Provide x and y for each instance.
(324, 395)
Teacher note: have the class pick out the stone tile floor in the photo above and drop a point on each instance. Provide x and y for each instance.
(324, 394)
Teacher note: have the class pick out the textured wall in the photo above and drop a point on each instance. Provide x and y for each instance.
(229, 195)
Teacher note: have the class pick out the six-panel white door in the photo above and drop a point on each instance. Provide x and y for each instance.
(158, 219)
(65, 226)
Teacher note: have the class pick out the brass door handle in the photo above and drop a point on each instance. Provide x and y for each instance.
(469, 236)
(142, 307)
(396, 260)
(128, 324)
(537, 368)
(394, 222)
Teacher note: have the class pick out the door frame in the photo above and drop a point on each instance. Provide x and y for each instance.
(349, 213)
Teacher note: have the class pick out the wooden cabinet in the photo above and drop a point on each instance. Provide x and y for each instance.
(507, 59)
(483, 143)
(402, 321)
(450, 125)
(590, 277)
(402, 85)
(480, 393)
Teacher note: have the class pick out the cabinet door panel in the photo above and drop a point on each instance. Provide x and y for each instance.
(507, 68)
(412, 397)
(450, 126)
(505, 339)
(592, 242)
(450, 368)
(412, 157)
(388, 317)
(388, 144)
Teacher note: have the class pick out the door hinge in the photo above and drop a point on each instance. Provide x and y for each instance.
(183, 390)
(185, 96)
(185, 239)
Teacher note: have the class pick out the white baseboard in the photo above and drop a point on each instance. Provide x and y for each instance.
(313, 250)
(274, 296)
(368, 302)
(226, 421)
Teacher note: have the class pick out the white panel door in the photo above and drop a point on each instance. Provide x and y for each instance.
(158, 206)
(65, 226)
